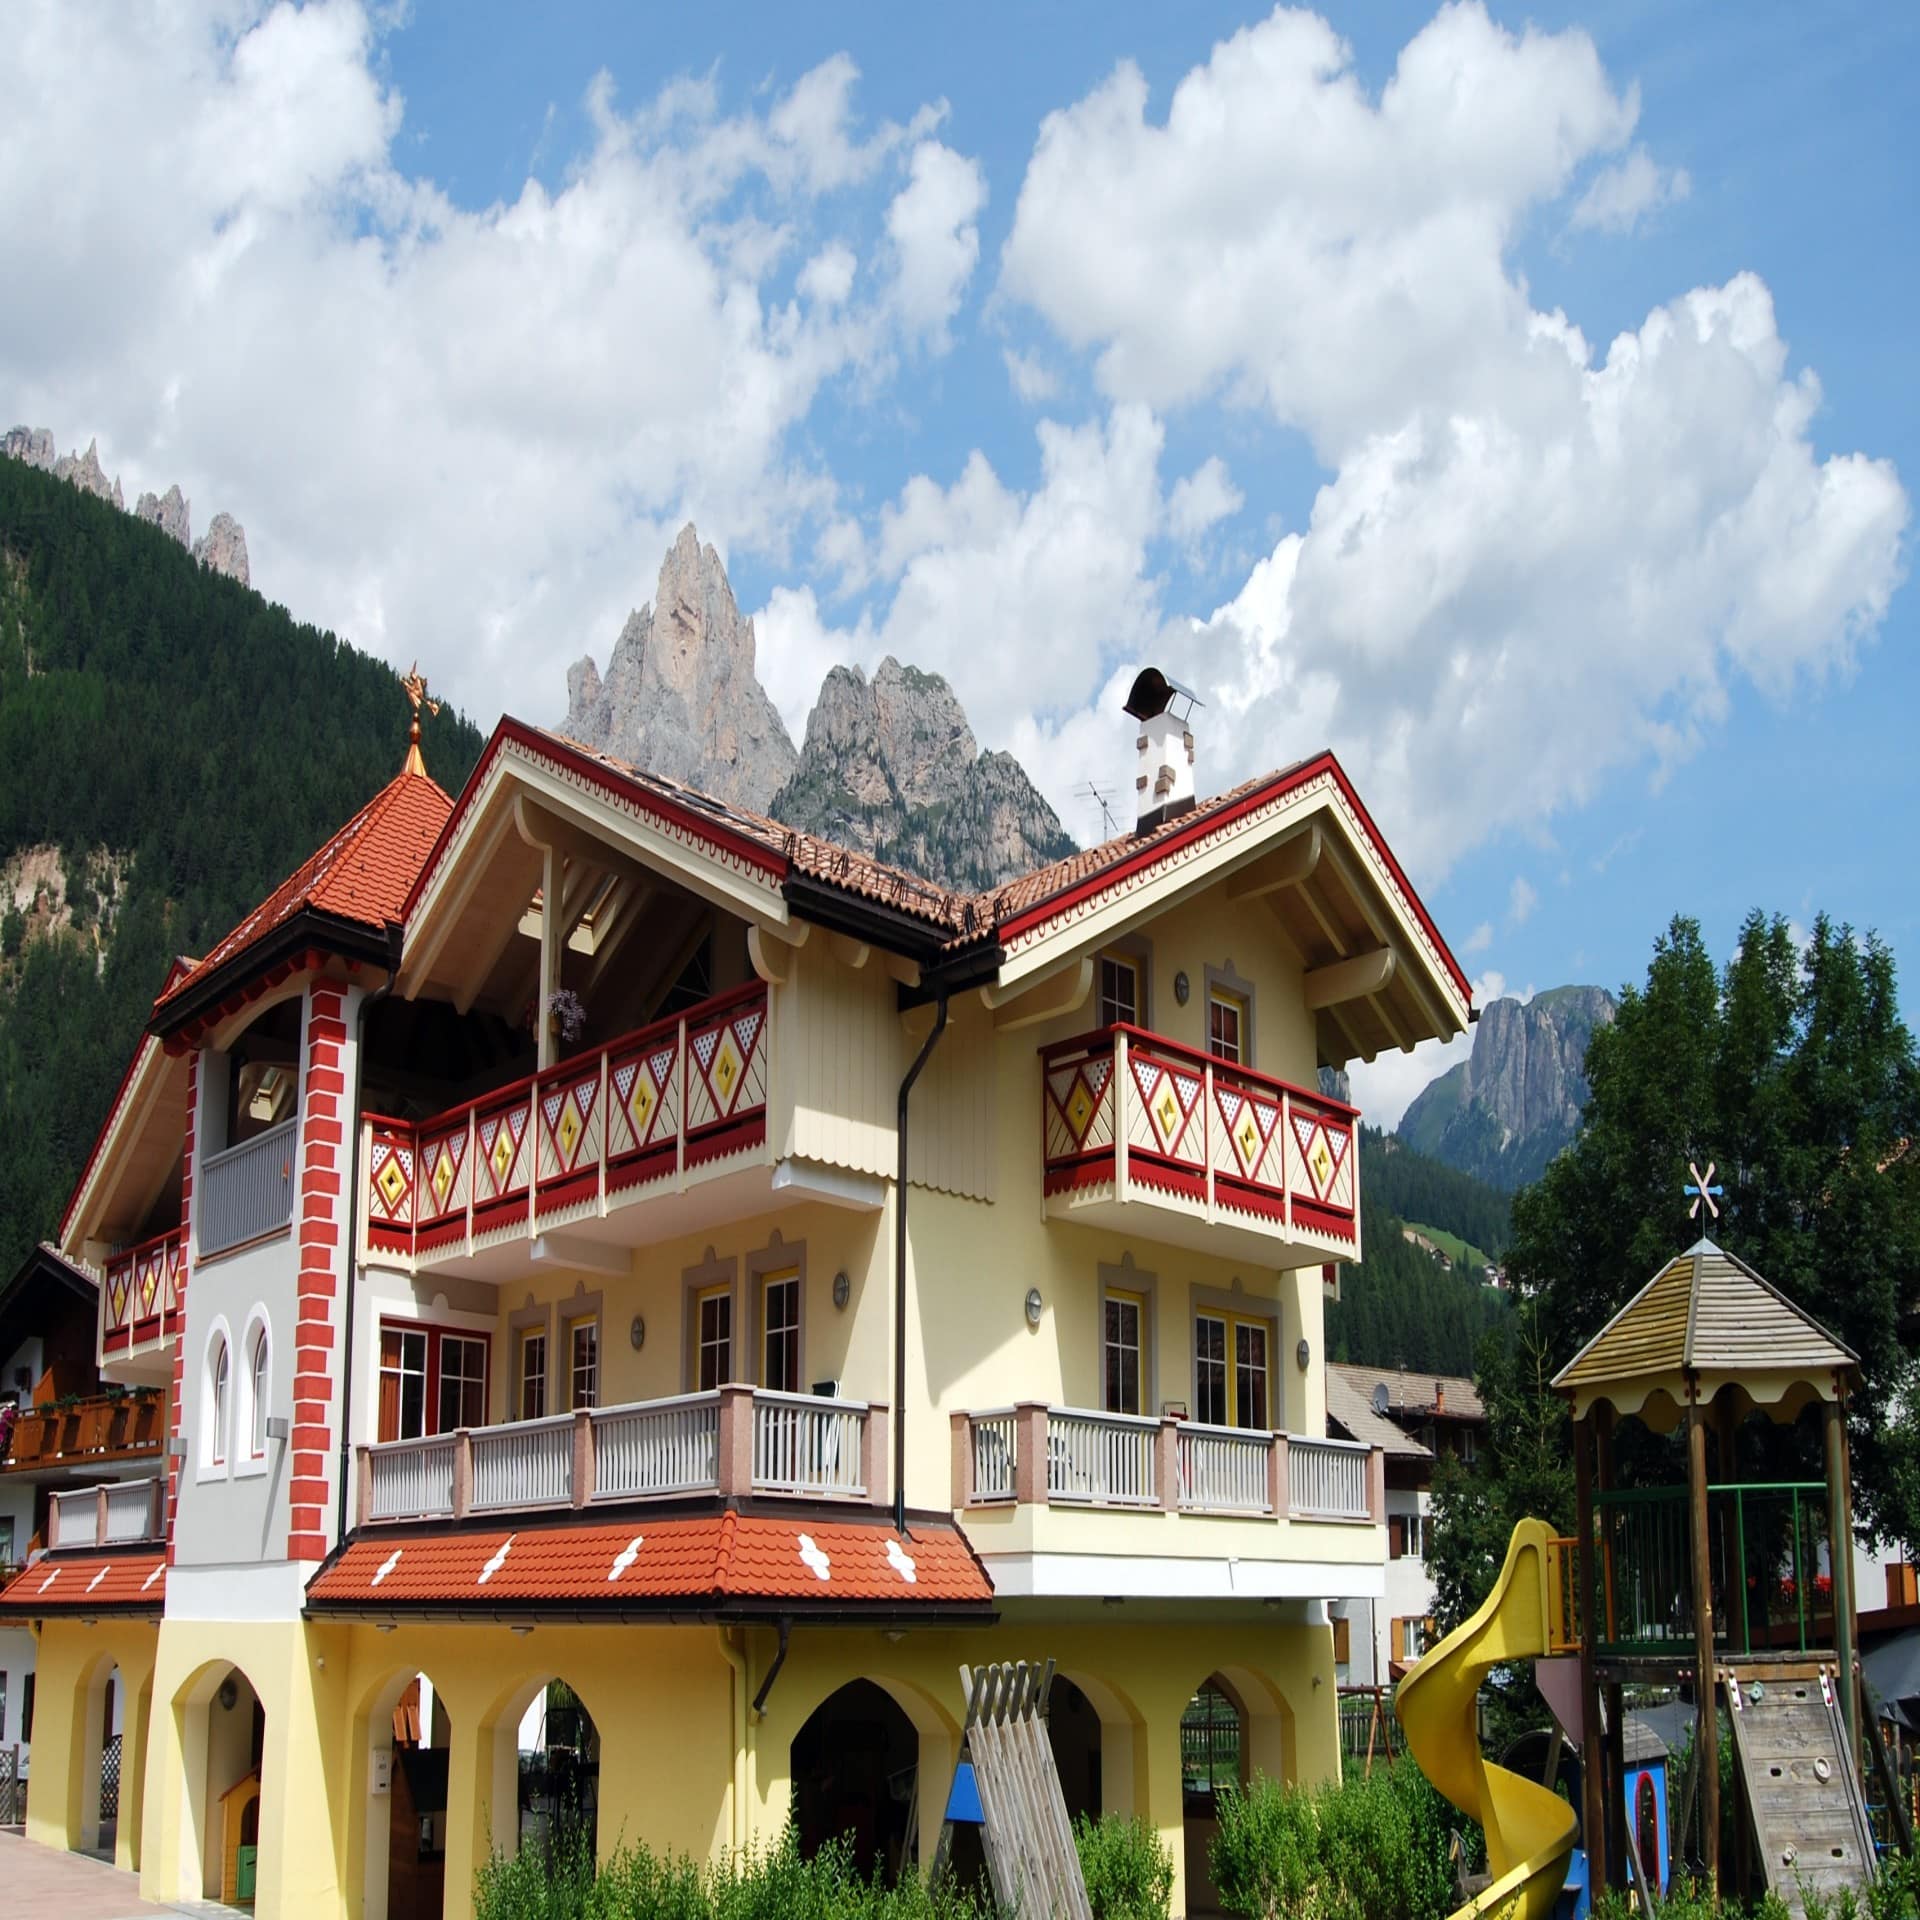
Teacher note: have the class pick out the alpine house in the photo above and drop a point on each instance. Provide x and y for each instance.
(644, 1295)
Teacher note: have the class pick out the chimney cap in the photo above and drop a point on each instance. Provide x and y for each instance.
(1153, 693)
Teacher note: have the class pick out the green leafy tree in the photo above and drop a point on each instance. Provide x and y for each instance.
(1792, 1070)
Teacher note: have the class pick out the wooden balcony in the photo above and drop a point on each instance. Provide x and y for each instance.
(1036, 1455)
(734, 1441)
(675, 1107)
(88, 1432)
(119, 1514)
(1147, 1137)
(144, 1300)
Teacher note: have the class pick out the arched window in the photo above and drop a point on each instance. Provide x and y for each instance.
(258, 1393)
(220, 1367)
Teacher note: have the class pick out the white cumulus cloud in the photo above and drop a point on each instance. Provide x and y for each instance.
(1625, 193)
(934, 225)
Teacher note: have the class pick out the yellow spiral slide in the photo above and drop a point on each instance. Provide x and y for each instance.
(1530, 1830)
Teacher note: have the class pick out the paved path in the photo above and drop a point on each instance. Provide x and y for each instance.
(39, 1880)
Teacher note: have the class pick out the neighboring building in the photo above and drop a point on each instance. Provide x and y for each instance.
(1414, 1419)
(647, 1294)
(68, 1436)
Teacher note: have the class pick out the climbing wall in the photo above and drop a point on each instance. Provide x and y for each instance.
(1809, 1813)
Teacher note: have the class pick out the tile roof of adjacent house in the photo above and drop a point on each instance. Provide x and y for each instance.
(650, 1563)
(69, 1583)
(1706, 1311)
(1413, 1394)
(361, 876)
(1349, 1408)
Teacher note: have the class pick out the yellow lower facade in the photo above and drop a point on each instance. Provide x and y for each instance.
(685, 1764)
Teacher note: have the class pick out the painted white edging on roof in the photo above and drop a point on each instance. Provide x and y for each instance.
(1029, 1576)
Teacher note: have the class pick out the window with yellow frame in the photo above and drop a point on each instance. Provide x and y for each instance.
(1124, 1351)
(712, 1338)
(1232, 1371)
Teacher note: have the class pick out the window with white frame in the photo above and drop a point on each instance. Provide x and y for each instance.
(1230, 1370)
(780, 1331)
(219, 1390)
(583, 1362)
(533, 1374)
(713, 1337)
(462, 1362)
(1124, 1352)
(258, 1392)
(1119, 990)
(431, 1380)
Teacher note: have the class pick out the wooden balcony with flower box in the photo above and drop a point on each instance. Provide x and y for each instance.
(1276, 1515)
(661, 1132)
(90, 1430)
(729, 1443)
(1147, 1137)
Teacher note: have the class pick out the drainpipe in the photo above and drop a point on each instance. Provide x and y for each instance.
(354, 1205)
(900, 1271)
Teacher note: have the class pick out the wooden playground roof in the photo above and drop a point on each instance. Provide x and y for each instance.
(1705, 1319)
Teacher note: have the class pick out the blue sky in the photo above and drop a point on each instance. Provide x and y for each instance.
(959, 347)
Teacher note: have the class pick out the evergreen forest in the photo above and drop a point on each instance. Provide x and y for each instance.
(173, 747)
(1400, 1307)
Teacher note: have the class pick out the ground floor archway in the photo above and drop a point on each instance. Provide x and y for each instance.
(409, 1753)
(223, 1730)
(546, 1769)
(855, 1767)
(1074, 1733)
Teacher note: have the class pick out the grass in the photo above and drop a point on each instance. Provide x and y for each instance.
(1456, 1249)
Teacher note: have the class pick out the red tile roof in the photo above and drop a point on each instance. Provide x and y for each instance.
(130, 1582)
(363, 874)
(710, 1561)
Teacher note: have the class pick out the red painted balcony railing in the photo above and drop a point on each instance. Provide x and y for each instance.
(1140, 1112)
(606, 1124)
(146, 1292)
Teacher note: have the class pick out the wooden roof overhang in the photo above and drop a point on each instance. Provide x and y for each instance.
(618, 849)
(1706, 1324)
(1377, 974)
(135, 1153)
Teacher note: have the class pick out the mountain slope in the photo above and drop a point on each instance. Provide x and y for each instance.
(173, 746)
(1400, 1307)
(1507, 1109)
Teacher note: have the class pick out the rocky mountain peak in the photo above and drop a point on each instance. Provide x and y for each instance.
(170, 512)
(680, 695)
(890, 766)
(224, 548)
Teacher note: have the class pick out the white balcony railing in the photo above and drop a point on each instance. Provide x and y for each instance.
(657, 1447)
(807, 1446)
(412, 1479)
(119, 1514)
(734, 1441)
(1328, 1478)
(1034, 1454)
(1224, 1470)
(527, 1464)
(1102, 1459)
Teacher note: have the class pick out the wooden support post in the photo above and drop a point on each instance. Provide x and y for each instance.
(1612, 1747)
(1707, 1739)
(1840, 1553)
(1593, 1813)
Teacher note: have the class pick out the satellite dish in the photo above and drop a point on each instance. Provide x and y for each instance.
(1380, 1398)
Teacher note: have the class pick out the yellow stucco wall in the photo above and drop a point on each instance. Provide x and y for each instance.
(670, 1708)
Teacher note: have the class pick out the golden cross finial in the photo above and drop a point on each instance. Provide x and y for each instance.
(413, 683)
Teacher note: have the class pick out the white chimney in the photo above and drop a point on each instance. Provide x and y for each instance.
(1163, 786)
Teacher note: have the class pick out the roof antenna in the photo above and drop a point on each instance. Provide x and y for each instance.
(1102, 797)
(413, 684)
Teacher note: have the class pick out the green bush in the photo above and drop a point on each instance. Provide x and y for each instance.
(1894, 1894)
(560, 1882)
(1375, 1847)
(1128, 1870)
